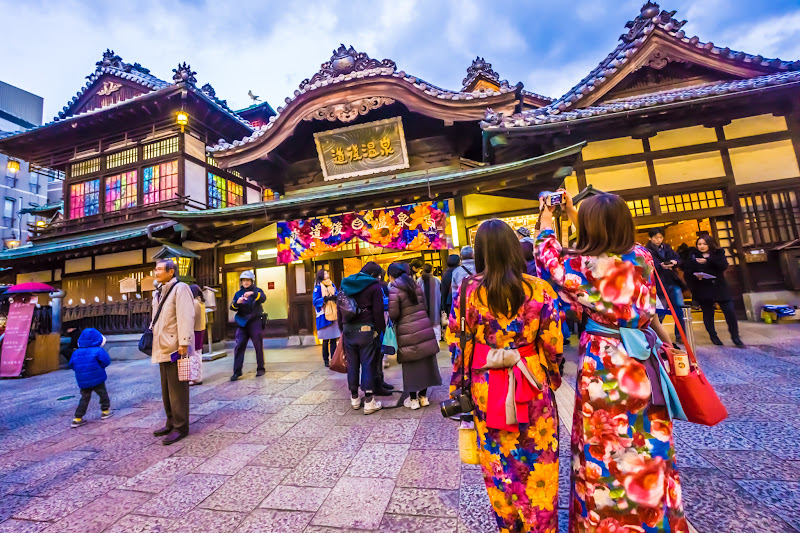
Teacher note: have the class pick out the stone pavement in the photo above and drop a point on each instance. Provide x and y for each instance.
(286, 453)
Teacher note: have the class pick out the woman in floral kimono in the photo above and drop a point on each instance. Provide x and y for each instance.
(624, 477)
(513, 327)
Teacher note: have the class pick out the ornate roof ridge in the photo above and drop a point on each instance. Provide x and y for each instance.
(649, 19)
(549, 114)
(345, 65)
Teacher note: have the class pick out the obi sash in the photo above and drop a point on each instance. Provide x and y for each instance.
(641, 345)
(511, 385)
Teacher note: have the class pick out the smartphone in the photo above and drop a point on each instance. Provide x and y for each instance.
(556, 198)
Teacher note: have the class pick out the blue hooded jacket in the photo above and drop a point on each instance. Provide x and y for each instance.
(90, 360)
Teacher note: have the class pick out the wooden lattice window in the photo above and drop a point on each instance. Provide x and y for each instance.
(692, 201)
(85, 167)
(770, 217)
(84, 199)
(211, 161)
(160, 182)
(119, 159)
(157, 149)
(724, 229)
(121, 191)
(639, 208)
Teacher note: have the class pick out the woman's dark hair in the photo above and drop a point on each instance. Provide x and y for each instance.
(453, 260)
(527, 250)
(709, 240)
(498, 258)
(403, 281)
(196, 292)
(320, 275)
(416, 264)
(652, 232)
(605, 226)
(372, 269)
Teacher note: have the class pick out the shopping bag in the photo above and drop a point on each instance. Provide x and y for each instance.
(339, 361)
(196, 367)
(184, 369)
(389, 341)
(699, 400)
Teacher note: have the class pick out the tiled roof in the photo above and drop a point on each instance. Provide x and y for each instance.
(329, 75)
(550, 114)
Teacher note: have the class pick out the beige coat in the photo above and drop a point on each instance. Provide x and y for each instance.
(175, 326)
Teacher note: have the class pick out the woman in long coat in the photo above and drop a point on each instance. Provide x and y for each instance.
(510, 311)
(417, 345)
(624, 476)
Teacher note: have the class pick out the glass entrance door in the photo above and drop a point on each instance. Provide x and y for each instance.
(272, 280)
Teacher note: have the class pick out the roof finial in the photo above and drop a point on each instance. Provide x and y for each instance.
(479, 66)
(110, 59)
(649, 10)
(209, 90)
(346, 61)
(184, 73)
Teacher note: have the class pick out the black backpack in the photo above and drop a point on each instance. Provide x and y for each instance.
(348, 308)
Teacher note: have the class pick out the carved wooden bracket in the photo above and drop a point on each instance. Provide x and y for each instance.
(349, 111)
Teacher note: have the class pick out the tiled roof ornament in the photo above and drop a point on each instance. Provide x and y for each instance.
(492, 118)
(479, 66)
(184, 73)
(209, 90)
(648, 15)
(140, 68)
(344, 61)
(110, 59)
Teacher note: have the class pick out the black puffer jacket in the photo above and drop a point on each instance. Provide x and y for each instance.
(415, 337)
(707, 290)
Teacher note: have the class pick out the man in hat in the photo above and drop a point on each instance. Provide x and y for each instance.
(247, 302)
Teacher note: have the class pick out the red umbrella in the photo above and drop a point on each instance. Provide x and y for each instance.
(30, 287)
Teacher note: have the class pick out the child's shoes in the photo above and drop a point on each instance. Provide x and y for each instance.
(108, 413)
(76, 422)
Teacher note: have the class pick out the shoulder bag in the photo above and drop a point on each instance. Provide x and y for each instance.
(146, 342)
(698, 398)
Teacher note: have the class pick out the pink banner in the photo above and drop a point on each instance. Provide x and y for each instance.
(15, 342)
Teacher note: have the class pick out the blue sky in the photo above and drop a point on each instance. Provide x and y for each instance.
(269, 47)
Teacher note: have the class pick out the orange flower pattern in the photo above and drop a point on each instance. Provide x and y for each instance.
(624, 476)
(520, 468)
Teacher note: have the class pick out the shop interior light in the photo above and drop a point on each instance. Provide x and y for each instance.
(13, 166)
(12, 243)
(40, 223)
(454, 230)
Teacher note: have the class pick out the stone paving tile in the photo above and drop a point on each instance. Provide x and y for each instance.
(475, 513)
(769, 435)
(720, 437)
(332, 384)
(290, 498)
(22, 526)
(393, 523)
(12, 503)
(206, 445)
(245, 490)
(293, 413)
(358, 418)
(134, 523)
(436, 437)
(182, 496)
(274, 521)
(207, 520)
(69, 499)
(424, 502)
(781, 497)
(141, 460)
(753, 394)
(266, 433)
(312, 426)
(312, 397)
(100, 513)
(230, 459)
(261, 404)
(243, 422)
(394, 431)
(779, 412)
(333, 407)
(207, 407)
(378, 460)
(319, 469)
(688, 457)
(753, 465)
(32, 472)
(344, 439)
(355, 503)
(163, 474)
(285, 452)
(431, 469)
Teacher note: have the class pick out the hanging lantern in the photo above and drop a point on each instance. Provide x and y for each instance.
(13, 166)
(182, 118)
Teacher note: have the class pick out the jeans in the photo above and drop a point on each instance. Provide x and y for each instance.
(730, 317)
(361, 349)
(675, 294)
(328, 349)
(251, 332)
(86, 397)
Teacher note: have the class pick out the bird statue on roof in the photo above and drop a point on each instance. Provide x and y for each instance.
(253, 97)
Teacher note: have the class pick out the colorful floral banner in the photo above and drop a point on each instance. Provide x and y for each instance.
(408, 227)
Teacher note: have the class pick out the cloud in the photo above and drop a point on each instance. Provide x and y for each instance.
(777, 36)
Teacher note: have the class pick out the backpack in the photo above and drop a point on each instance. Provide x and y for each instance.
(348, 308)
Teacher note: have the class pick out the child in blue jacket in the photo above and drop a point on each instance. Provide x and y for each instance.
(89, 362)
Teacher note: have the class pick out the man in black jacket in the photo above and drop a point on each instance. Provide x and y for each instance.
(247, 302)
(362, 336)
(666, 261)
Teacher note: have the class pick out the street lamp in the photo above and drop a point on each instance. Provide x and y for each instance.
(182, 118)
(13, 166)
(182, 257)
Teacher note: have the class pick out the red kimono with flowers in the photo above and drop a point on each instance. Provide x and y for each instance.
(520, 467)
(624, 477)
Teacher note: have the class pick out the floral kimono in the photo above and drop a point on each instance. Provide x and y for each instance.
(519, 463)
(624, 476)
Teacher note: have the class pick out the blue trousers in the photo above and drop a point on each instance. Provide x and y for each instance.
(675, 294)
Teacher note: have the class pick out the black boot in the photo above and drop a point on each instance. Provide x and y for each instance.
(737, 341)
(715, 340)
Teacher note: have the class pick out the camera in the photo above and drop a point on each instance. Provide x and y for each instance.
(459, 404)
(552, 198)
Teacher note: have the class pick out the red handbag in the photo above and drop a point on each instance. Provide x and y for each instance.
(699, 400)
(339, 361)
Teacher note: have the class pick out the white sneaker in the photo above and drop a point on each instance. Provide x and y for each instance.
(371, 407)
(423, 401)
(411, 404)
(356, 403)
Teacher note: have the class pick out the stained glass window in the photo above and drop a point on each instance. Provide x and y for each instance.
(222, 192)
(121, 191)
(160, 183)
(84, 199)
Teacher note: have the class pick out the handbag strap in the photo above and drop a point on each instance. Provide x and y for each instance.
(161, 305)
(675, 318)
(463, 335)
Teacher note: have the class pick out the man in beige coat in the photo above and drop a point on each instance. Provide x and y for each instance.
(173, 333)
